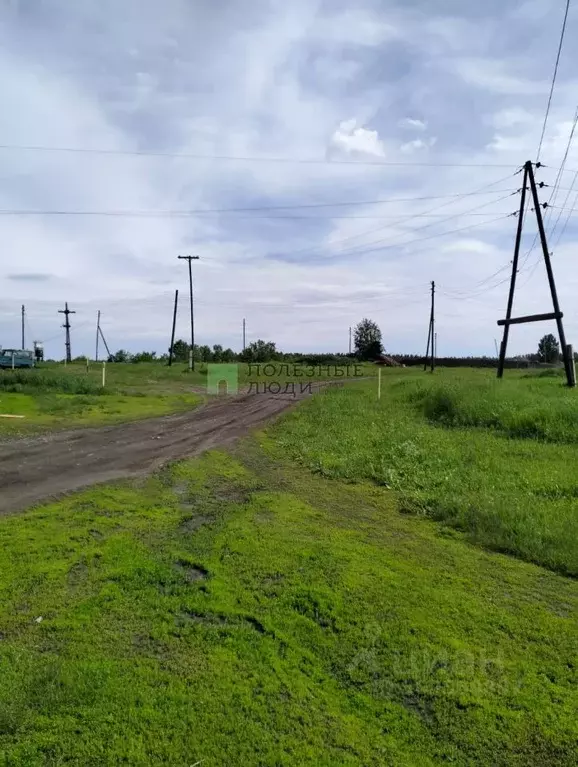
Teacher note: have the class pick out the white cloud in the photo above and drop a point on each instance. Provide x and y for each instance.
(352, 138)
(413, 123)
(418, 145)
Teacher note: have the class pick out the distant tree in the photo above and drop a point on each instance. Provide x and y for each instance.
(228, 355)
(205, 353)
(181, 351)
(120, 356)
(259, 351)
(144, 357)
(217, 353)
(368, 344)
(549, 349)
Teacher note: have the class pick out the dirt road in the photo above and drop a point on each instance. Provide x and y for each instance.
(40, 468)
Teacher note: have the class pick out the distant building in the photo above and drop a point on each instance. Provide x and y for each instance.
(386, 361)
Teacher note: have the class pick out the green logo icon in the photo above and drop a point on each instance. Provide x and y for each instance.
(222, 379)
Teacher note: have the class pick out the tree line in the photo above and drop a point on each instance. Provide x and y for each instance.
(368, 346)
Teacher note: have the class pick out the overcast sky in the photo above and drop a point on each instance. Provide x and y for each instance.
(299, 103)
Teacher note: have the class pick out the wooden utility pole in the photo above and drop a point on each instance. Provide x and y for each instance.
(66, 311)
(104, 342)
(431, 336)
(97, 335)
(23, 316)
(189, 259)
(174, 327)
(556, 314)
(504, 343)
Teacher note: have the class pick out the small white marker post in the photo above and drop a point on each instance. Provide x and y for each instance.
(12, 360)
(378, 383)
(103, 374)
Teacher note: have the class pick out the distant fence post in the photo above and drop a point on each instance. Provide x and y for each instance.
(103, 374)
(87, 364)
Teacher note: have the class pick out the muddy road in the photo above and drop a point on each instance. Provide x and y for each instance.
(36, 469)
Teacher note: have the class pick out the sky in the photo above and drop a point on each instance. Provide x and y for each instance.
(325, 160)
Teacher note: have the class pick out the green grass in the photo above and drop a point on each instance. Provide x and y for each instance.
(57, 396)
(238, 610)
(61, 397)
(524, 407)
(496, 460)
(142, 377)
(37, 380)
(49, 411)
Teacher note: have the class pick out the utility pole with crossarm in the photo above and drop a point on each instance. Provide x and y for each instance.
(189, 259)
(66, 311)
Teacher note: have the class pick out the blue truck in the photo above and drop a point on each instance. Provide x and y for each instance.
(16, 358)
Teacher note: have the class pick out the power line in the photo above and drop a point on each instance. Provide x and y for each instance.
(185, 214)
(555, 189)
(562, 166)
(557, 207)
(423, 239)
(570, 212)
(459, 293)
(243, 158)
(358, 249)
(203, 211)
(366, 233)
(553, 79)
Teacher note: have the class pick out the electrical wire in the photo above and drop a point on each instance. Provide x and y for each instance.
(559, 207)
(356, 250)
(566, 222)
(366, 233)
(464, 294)
(402, 245)
(554, 193)
(553, 79)
(202, 212)
(243, 158)
(474, 295)
(460, 293)
(152, 215)
(552, 202)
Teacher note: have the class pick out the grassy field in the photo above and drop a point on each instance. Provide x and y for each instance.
(53, 399)
(56, 396)
(495, 459)
(290, 603)
(241, 609)
(238, 610)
